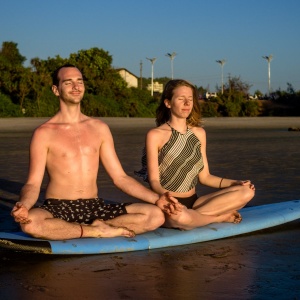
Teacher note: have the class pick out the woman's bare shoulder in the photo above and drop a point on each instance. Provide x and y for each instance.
(199, 132)
(159, 131)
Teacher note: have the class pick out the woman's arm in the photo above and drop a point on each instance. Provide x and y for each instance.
(208, 179)
(152, 148)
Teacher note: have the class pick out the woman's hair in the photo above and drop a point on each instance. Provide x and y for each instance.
(163, 113)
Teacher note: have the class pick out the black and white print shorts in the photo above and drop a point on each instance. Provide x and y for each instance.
(83, 211)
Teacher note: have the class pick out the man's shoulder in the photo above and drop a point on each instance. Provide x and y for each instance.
(48, 125)
(97, 123)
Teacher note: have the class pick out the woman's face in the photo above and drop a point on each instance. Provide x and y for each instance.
(181, 104)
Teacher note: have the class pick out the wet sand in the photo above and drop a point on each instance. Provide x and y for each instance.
(260, 265)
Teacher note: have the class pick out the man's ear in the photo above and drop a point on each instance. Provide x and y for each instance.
(55, 90)
(167, 103)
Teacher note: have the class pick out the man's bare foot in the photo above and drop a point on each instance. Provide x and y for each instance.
(103, 230)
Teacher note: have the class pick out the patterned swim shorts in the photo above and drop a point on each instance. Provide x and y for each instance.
(83, 211)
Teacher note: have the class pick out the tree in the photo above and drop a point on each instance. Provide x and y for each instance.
(11, 54)
(7, 108)
(41, 78)
(236, 85)
(24, 85)
(12, 73)
(290, 88)
(95, 64)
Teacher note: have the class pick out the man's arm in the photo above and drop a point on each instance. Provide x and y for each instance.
(126, 183)
(116, 172)
(30, 191)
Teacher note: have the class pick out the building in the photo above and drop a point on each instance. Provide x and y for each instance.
(209, 95)
(131, 79)
(157, 87)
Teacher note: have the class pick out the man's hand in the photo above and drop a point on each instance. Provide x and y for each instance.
(20, 213)
(168, 204)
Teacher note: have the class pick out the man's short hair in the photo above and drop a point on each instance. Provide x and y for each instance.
(55, 79)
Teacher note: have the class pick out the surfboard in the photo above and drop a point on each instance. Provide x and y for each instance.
(254, 218)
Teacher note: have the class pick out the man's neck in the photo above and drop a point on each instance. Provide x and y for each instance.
(70, 115)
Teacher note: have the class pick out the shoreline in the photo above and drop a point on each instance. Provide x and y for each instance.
(24, 122)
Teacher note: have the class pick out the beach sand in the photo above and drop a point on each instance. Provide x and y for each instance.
(260, 265)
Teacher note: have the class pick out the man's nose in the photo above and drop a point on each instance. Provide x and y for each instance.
(75, 86)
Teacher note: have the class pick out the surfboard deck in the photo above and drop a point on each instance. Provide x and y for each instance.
(254, 218)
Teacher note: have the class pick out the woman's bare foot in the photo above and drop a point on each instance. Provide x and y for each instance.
(234, 217)
(238, 217)
(103, 230)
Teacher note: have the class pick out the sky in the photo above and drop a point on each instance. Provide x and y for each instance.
(200, 32)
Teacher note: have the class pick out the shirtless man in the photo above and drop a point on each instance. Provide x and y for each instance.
(70, 146)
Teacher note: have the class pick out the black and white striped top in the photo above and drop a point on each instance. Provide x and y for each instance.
(180, 161)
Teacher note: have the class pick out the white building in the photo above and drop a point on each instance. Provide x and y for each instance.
(210, 95)
(131, 79)
(157, 87)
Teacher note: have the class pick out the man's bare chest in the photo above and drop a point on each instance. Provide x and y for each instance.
(72, 143)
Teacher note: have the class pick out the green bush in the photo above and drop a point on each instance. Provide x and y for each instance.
(46, 106)
(209, 109)
(9, 109)
(250, 108)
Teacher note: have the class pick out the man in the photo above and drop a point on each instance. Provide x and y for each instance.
(70, 146)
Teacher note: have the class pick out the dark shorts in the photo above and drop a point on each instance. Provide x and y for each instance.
(188, 201)
(83, 210)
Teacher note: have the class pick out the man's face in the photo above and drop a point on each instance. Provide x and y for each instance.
(71, 86)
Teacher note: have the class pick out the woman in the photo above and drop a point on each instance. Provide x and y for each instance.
(176, 160)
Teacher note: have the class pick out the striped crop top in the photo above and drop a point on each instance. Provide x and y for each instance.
(180, 161)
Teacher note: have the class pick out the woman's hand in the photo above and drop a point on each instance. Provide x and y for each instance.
(245, 182)
(168, 204)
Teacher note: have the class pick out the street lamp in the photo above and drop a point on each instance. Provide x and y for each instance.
(269, 58)
(152, 60)
(172, 56)
(221, 62)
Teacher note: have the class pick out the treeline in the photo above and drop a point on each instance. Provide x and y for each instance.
(26, 91)
(235, 101)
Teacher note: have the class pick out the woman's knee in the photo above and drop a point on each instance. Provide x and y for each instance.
(247, 193)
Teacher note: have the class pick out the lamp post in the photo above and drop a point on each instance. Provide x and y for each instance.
(152, 60)
(222, 63)
(171, 56)
(269, 58)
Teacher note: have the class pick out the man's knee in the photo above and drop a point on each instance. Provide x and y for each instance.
(151, 216)
(29, 228)
(155, 217)
(37, 217)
